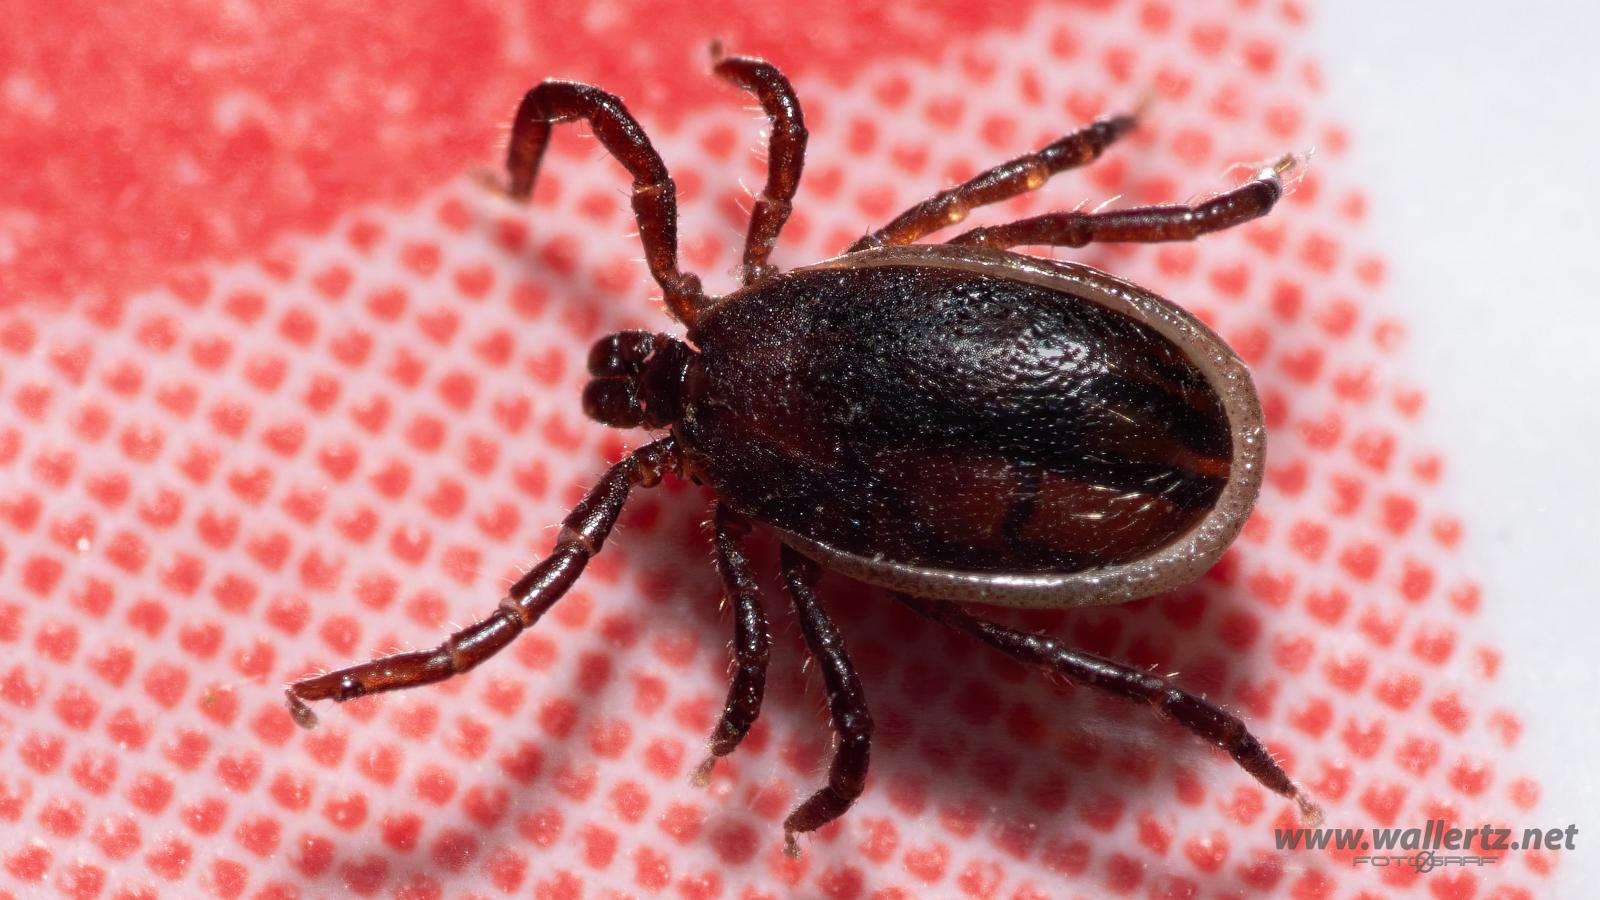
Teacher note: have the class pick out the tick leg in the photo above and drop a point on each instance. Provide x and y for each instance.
(786, 156)
(1002, 182)
(1197, 715)
(751, 642)
(655, 197)
(582, 533)
(847, 706)
(1251, 200)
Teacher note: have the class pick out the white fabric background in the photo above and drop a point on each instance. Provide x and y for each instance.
(1476, 132)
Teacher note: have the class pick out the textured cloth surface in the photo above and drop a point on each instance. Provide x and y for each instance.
(284, 388)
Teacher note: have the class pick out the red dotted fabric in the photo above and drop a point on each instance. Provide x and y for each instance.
(282, 389)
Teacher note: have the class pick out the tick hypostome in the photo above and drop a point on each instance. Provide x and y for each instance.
(954, 422)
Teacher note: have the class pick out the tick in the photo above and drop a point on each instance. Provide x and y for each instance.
(957, 423)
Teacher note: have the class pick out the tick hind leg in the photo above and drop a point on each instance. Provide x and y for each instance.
(751, 641)
(1144, 224)
(655, 197)
(786, 155)
(582, 533)
(847, 706)
(1194, 713)
(1002, 182)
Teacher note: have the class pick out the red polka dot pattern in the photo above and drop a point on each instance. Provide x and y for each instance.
(228, 126)
(351, 443)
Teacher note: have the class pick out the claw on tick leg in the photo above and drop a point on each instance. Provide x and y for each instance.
(489, 180)
(300, 712)
(702, 773)
(1311, 812)
(791, 847)
(1147, 101)
(1288, 169)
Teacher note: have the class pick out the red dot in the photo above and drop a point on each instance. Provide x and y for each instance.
(205, 816)
(927, 863)
(401, 831)
(610, 738)
(1399, 690)
(1471, 775)
(682, 821)
(557, 717)
(416, 719)
(347, 811)
(980, 878)
(652, 869)
(1448, 711)
(1363, 740)
(81, 880)
(170, 858)
(435, 785)
(62, 817)
(239, 771)
(542, 827)
(523, 762)
(1123, 873)
(1313, 717)
(76, 708)
(474, 282)
(1245, 806)
(507, 868)
(735, 843)
(453, 850)
(1346, 671)
(272, 725)
(291, 791)
(314, 856)
(1263, 872)
(470, 740)
(150, 792)
(259, 835)
(29, 862)
(228, 878)
(364, 875)
(1383, 802)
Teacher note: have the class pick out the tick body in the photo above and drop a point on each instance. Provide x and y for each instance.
(953, 422)
(972, 424)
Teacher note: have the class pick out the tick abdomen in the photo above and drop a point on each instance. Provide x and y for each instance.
(951, 417)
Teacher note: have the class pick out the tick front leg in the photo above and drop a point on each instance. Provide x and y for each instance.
(751, 641)
(1144, 224)
(1193, 713)
(582, 533)
(786, 156)
(847, 706)
(1002, 182)
(655, 197)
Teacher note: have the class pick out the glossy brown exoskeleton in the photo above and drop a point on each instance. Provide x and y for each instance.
(954, 422)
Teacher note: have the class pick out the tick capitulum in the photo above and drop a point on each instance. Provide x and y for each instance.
(957, 423)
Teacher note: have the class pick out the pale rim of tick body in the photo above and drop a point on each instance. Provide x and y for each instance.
(1172, 565)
